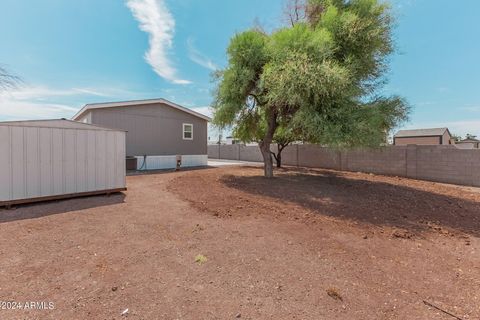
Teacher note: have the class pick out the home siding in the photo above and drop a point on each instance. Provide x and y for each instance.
(155, 129)
(446, 138)
(86, 118)
(467, 145)
(417, 140)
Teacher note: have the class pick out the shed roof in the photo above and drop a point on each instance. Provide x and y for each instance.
(421, 132)
(134, 103)
(56, 123)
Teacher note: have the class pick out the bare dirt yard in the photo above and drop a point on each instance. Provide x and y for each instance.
(226, 243)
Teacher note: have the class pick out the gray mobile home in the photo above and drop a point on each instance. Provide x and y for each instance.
(158, 131)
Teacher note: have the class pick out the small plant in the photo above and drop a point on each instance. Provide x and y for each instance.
(200, 258)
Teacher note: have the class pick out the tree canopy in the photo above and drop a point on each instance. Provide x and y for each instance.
(317, 80)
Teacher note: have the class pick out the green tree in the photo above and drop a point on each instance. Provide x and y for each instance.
(317, 79)
(456, 137)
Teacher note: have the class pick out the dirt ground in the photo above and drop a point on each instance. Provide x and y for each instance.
(226, 243)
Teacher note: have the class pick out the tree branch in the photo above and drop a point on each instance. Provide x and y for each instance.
(282, 145)
(257, 99)
(274, 155)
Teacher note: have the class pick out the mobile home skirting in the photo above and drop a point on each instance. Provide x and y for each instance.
(43, 163)
(170, 162)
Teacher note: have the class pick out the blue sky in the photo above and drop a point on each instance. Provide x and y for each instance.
(74, 52)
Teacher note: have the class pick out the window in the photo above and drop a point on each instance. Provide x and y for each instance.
(187, 131)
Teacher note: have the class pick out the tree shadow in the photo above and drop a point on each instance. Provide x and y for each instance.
(47, 208)
(379, 203)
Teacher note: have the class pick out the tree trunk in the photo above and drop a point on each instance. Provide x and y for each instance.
(278, 158)
(278, 155)
(264, 144)
(267, 158)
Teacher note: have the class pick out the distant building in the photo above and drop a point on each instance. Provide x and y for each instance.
(434, 136)
(232, 140)
(227, 140)
(468, 143)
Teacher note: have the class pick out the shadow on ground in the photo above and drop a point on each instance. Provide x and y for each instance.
(380, 203)
(43, 209)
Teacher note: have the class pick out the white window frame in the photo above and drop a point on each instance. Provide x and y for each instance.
(183, 131)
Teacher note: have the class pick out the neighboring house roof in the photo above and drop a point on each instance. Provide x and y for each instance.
(56, 123)
(469, 140)
(421, 132)
(133, 103)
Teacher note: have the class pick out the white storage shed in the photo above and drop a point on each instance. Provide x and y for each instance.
(55, 159)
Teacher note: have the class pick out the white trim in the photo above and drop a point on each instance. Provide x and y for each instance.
(197, 160)
(135, 103)
(183, 131)
(156, 162)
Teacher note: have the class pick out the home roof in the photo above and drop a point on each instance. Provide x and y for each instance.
(468, 140)
(133, 103)
(56, 123)
(421, 132)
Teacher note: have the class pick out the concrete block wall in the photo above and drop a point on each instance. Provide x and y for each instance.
(388, 160)
(249, 153)
(434, 163)
(230, 151)
(214, 151)
(411, 159)
(448, 164)
(290, 155)
(313, 156)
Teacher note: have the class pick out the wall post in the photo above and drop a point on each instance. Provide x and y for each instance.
(296, 154)
(343, 156)
(411, 161)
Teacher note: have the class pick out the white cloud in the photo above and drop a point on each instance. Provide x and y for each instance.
(40, 102)
(207, 111)
(41, 92)
(443, 89)
(26, 103)
(92, 92)
(26, 110)
(472, 108)
(197, 57)
(464, 127)
(424, 103)
(401, 4)
(155, 19)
